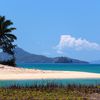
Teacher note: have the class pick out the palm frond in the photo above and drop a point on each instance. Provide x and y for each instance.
(6, 37)
(9, 30)
(2, 19)
(7, 23)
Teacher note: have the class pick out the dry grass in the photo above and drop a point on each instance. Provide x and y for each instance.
(51, 92)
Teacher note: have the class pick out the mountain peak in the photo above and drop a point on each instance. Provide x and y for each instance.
(23, 56)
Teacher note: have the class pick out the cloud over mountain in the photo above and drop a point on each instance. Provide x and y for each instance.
(67, 41)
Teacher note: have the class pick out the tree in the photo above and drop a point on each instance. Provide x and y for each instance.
(6, 36)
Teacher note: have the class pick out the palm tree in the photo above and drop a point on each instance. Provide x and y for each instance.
(6, 37)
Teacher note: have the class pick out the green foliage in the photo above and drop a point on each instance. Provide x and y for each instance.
(50, 92)
(6, 36)
(10, 62)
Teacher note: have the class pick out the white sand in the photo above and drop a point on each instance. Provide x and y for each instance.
(12, 73)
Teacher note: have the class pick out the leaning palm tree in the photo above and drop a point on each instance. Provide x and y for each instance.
(6, 36)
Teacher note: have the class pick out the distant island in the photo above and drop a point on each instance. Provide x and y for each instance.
(23, 56)
(95, 62)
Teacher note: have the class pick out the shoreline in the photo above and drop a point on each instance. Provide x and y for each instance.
(16, 73)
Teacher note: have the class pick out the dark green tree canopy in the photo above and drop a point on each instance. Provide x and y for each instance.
(6, 36)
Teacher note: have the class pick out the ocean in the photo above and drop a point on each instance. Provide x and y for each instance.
(94, 68)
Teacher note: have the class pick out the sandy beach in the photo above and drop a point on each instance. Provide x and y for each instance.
(13, 73)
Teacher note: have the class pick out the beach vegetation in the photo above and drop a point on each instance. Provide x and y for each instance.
(7, 38)
(51, 92)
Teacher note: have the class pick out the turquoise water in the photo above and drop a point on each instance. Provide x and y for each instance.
(95, 68)
(63, 67)
(7, 83)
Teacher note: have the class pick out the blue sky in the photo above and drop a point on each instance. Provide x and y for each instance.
(42, 26)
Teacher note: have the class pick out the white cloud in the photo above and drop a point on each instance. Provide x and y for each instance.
(67, 41)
